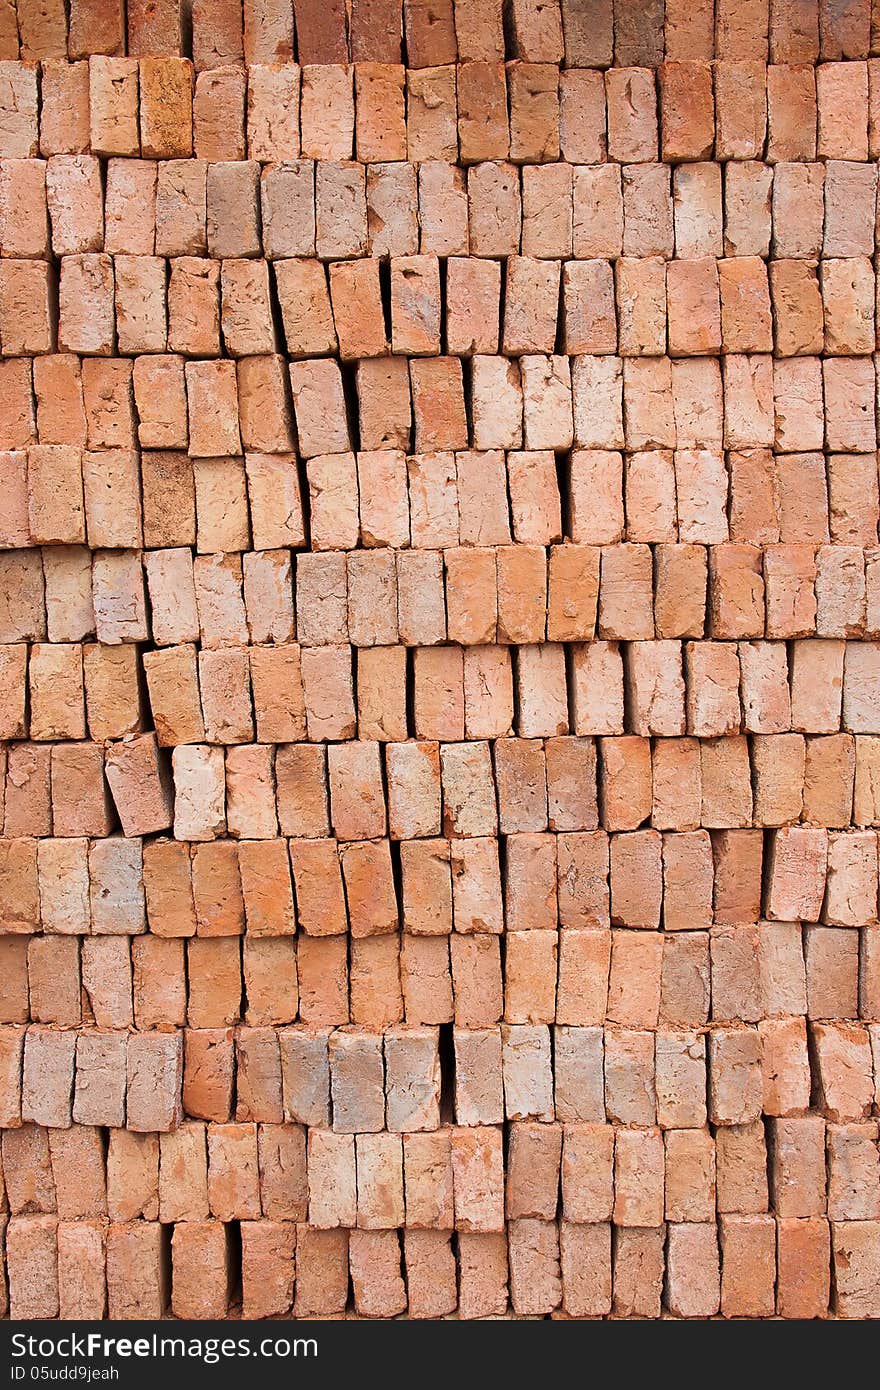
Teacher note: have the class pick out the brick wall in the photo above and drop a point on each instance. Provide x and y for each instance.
(439, 658)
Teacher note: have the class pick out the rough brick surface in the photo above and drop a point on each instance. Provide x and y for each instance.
(439, 659)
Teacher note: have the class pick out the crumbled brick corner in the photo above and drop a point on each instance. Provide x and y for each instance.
(439, 659)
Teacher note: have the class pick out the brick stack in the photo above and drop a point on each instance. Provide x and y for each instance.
(440, 658)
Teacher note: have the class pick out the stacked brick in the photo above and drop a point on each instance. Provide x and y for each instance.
(439, 658)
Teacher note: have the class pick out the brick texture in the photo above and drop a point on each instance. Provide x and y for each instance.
(439, 659)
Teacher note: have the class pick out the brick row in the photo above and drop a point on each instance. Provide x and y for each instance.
(612, 31)
(384, 31)
(647, 596)
(585, 975)
(411, 789)
(530, 112)
(764, 416)
(93, 1268)
(697, 495)
(414, 790)
(796, 1167)
(211, 698)
(425, 980)
(146, 236)
(369, 1083)
(635, 303)
(421, 305)
(171, 887)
